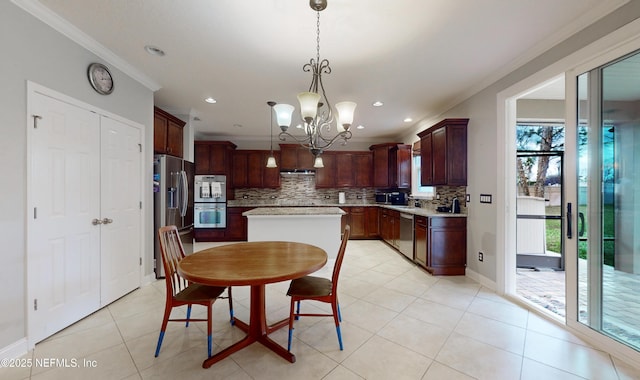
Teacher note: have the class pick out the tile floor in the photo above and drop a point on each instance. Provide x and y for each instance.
(398, 323)
(621, 316)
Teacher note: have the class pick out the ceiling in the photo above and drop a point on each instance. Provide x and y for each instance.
(418, 57)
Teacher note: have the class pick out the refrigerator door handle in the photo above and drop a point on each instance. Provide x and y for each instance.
(185, 193)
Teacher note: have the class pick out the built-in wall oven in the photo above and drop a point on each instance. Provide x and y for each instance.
(210, 215)
(210, 207)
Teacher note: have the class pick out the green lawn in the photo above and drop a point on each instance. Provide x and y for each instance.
(554, 233)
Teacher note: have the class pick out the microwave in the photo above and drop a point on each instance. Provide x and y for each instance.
(382, 198)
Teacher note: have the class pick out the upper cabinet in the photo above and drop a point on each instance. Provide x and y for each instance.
(215, 157)
(363, 169)
(167, 133)
(295, 156)
(250, 169)
(443, 153)
(391, 165)
(344, 169)
(326, 176)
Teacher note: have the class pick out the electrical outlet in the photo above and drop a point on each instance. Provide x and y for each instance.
(245, 196)
(327, 197)
(480, 256)
(437, 196)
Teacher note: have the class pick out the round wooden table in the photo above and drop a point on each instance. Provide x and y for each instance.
(254, 264)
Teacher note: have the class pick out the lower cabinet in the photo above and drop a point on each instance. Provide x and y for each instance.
(372, 221)
(441, 244)
(390, 227)
(363, 221)
(236, 224)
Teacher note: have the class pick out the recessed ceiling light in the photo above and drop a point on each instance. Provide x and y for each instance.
(210, 100)
(360, 127)
(195, 118)
(154, 50)
(299, 126)
(408, 120)
(377, 104)
(237, 125)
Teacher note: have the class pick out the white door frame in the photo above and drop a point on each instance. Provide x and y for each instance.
(32, 89)
(624, 40)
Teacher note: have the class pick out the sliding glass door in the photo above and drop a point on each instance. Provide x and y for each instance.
(607, 233)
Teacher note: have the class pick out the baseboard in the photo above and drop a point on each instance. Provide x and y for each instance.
(484, 281)
(146, 280)
(15, 350)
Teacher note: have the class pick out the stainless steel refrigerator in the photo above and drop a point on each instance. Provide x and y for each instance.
(173, 194)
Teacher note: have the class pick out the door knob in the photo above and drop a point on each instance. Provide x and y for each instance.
(95, 222)
(107, 221)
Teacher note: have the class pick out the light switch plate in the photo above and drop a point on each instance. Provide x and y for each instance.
(468, 198)
(485, 198)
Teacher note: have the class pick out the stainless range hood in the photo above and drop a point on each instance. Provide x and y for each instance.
(296, 172)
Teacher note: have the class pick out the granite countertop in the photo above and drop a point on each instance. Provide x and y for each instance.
(424, 211)
(327, 209)
(299, 203)
(279, 211)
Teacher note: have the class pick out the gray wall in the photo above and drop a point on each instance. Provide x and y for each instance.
(483, 132)
(33, 51)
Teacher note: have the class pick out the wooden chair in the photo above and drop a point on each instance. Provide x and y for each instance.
(318, 289)
(180, 292)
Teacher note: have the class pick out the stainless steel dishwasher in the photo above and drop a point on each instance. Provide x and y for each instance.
(405, 244)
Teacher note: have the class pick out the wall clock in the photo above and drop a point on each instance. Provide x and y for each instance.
(100, 78)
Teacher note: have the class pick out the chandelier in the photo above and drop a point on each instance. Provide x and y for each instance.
(315, 109)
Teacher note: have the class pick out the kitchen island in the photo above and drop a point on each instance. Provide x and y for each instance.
(319, 226)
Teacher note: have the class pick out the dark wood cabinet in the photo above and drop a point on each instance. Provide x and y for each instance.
(390, 227)
(443, 153)
(215, 158)
(372, 222)
(236, 224)
(356, 219)
(447, 246)
(363, 221)
(391, 165)
(426, 159)
(326, 177)
(240, 169)
(295, 156)
(167, 133)
(362, 169)
(344, 170)
(250, 170)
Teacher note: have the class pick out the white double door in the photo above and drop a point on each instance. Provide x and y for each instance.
(84, 194)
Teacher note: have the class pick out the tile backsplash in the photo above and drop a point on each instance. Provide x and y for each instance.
(300, 190)
(446, 194)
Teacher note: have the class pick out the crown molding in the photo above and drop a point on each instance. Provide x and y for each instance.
(44, 14)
